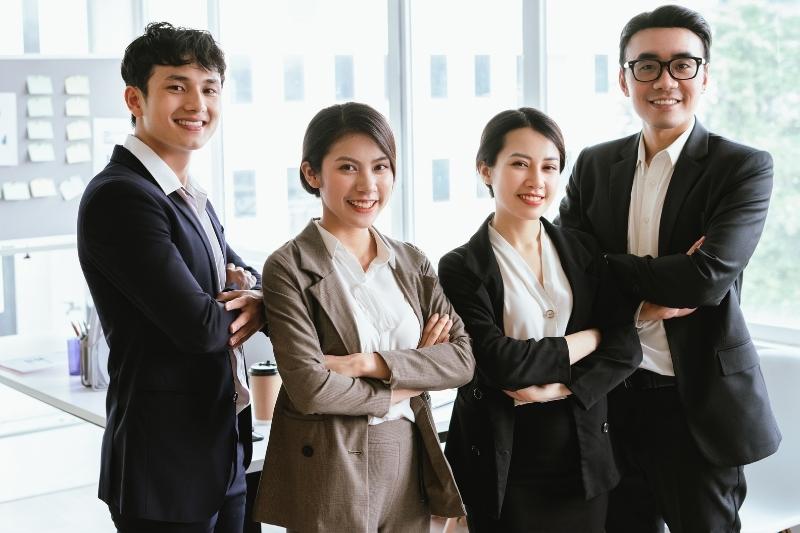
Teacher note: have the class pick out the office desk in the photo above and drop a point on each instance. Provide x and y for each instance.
(54, 386)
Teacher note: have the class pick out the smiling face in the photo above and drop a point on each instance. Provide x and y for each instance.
(525, 175)
(355, 183)
(665, 105)
(179, 113)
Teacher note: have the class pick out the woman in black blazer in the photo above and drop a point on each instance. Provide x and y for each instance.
(529, 438)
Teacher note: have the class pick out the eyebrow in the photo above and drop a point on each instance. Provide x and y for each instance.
(353, 160)
(651, 55)
(518, 154)
(185, 79)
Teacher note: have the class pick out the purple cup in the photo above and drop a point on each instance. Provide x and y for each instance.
(74, 356)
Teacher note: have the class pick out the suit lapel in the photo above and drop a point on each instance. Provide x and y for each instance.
(685, 175)
(481, 261)
(619, 190)
(328, 291)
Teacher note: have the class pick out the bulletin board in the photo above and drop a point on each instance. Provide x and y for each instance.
(84, 115)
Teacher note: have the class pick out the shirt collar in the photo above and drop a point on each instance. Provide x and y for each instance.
(164, 176)
(334, 246)
(673, 150)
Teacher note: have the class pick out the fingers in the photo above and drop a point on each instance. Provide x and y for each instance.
(445, 335)
(435, 331)
(696, 246)
(428, 327)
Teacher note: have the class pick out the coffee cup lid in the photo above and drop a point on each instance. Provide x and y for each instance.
(264, 368)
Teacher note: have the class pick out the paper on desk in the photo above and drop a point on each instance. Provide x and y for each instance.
(76, 106)
(40, 106)
(78, 153)
(71, 188)
(28, 364)
(16, 190)
(41, 152)
(78, 130)
(43, 187)
(76, 85)
(40, 129)
(8, 129)
(40, 85)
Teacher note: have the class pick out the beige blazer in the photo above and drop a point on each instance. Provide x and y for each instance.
(315, 471)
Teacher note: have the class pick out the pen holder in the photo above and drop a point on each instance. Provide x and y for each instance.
(74, 356)
(86, 377)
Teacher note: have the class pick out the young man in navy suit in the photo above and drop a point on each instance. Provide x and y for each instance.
(679, 212)
(174, 300)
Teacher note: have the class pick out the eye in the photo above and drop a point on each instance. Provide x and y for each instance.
(551, 168)
(381, 167)
(347, 167)
(212, 91)
(176, 88)
(519, 164)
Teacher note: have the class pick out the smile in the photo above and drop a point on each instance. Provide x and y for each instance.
(665, 101)
(363, 204)
(531, 199)
(190, 124)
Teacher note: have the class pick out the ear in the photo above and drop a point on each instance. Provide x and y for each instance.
(706, 76)
(623, 83)
(485, 172)
(134, 99)
(310, 175)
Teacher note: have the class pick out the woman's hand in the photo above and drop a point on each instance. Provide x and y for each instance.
(582, 343)
(436, 331)
(236, 275)
(358, 365)
(540, 393)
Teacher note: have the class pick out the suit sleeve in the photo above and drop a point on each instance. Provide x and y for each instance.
(442, 366)
(705, 277)
(312, 388)
(126, 234)
(503, 362)
(619, 353)
(570, 211)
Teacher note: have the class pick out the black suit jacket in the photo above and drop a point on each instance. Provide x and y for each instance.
(719, 189)
(479, 441)
(170, 434)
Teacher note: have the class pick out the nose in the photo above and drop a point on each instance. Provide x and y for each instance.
(535, 178)
(366, 181)
(195, 101)
(665, 81)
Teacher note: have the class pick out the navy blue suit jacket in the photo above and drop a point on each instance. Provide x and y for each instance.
(170, 435)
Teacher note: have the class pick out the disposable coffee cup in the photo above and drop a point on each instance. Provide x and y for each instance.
(265, 382)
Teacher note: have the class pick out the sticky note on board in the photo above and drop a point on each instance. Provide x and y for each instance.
(39, 85)
(16, 190)
(40, 129)
(76, 84)
(41, 152)
(40, 106)
(78, 130)
(78, 153)
(76, 106)
(71, 188)
(42, 188)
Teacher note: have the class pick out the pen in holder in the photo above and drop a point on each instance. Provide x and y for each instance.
(74, 356)
(86, 378)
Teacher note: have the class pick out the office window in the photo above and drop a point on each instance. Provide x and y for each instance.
(519, 72)
(240, 79)
(303, 206)
(438, 76)
(186, 13)
(481, 190)
(63, 27)
(244, 193)
(483, 75)
(441, 180)
(293, 82)
(601, 73)
(344, 77)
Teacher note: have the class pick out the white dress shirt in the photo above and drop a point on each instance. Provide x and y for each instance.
(532, 310)
(649, 190)
(197, 199)
(383, 317)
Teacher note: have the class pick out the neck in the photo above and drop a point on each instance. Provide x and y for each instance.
(178, 161)
(657, 139)
(519, 233)
(357, 241)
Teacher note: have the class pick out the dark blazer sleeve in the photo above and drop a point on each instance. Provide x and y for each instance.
(311, 387)
(127, 238)
(570, 211)
(733, 229)
(503, 362)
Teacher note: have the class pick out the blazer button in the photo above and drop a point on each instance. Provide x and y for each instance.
(605, 427)
(477, 393)
(308, 450)
(549, 313)
(476, 450)
(235, 396)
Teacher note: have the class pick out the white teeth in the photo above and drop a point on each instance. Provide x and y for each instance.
(669, 101)
(192, 123)
(363, 204)
(531, 197)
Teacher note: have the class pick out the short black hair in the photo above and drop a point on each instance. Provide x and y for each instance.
(494, 135)
(336, 121)
(164, 44)
(669, 16)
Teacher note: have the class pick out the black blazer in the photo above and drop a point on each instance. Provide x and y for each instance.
(481, 431)
(170, 435)
(719, 189)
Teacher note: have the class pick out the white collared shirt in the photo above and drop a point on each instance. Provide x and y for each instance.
(196, 198)
(532, 310)
(384, 318)
(650, 184)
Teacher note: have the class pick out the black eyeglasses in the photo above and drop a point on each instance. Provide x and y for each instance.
(680, 68)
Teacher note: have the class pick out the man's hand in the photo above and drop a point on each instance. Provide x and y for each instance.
(436, 331)
(651, 311)
(540, 393)
(251, 317)
(236, 275)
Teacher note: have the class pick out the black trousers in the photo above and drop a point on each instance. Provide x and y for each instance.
(664, 476)
(228, 519)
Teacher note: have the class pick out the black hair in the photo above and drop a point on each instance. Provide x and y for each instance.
(669, 16)
(164, 44)
(336, 121)
(494, 135)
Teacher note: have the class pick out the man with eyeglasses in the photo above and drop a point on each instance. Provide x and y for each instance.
(678, 211)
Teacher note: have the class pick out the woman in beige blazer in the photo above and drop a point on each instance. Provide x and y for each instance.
(353, 446)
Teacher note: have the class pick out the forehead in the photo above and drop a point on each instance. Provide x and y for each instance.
(191, 72)
(356, 145)
(664, 43)
(528, 141)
